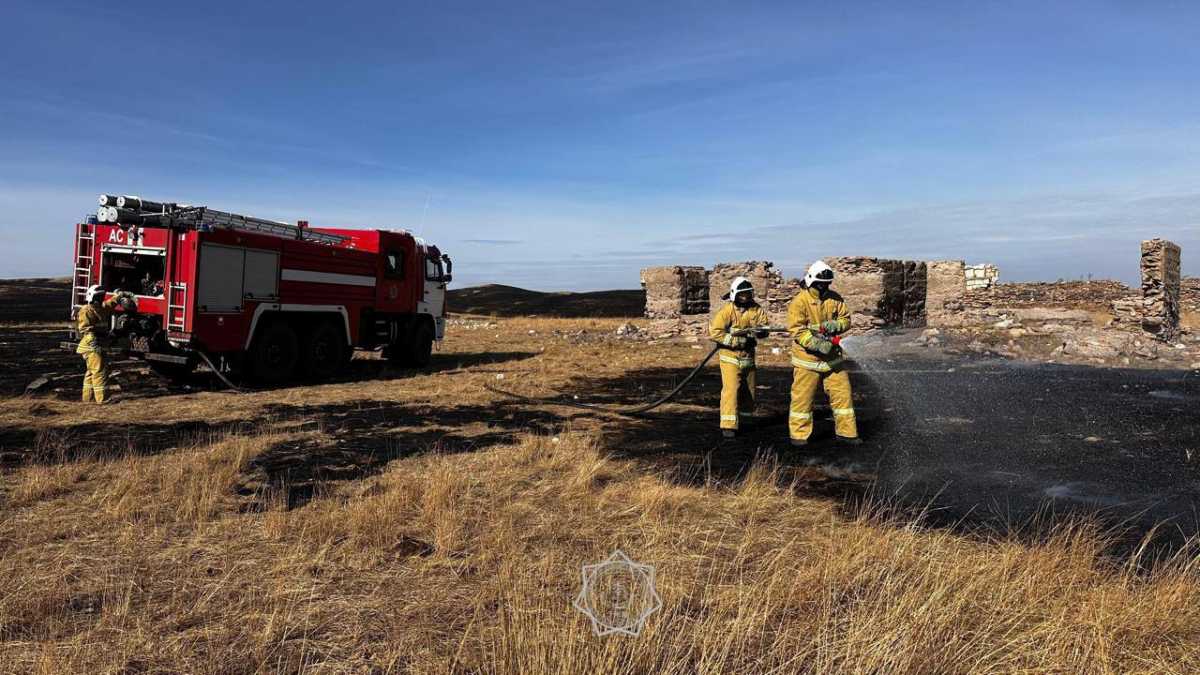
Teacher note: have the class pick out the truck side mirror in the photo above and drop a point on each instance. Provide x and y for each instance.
(448, 275)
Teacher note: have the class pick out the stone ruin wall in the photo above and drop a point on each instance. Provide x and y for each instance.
(675, 291)
(981, 276)
(946, 292)
(1189, 294)
(882, 292)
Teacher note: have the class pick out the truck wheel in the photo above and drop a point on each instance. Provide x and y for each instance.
(421, 345)
(276, 352)
(324, 351)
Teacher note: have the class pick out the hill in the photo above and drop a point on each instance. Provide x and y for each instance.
(501, 300)
(46, 300)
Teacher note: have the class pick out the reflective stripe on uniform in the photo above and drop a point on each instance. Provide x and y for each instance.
(800, 415)
(739, 362)
(729, 418)
(818, 366)
(842, 411)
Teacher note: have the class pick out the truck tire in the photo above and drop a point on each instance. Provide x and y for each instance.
(275, 353)
(325, 351)
(414, 348)
(421, 344)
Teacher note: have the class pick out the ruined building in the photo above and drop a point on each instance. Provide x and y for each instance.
(878, 292)
(881, 292)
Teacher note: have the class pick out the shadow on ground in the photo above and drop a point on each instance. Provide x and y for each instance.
(38, 444)
(134, 379)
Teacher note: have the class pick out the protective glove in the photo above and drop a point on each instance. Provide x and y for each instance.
(820, 346)
(762, 333)
(830, 327)
(736, 342)
(126, 300)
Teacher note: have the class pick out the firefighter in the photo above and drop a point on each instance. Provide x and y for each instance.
(815, 316)
(94, 320)
(736, 356)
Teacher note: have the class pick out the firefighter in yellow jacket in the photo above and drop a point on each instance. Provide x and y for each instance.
(815, 317)
(95, 318)
(736, 356)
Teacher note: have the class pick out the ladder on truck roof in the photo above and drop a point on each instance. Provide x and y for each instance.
(85, 251)
(203, 216)
(135, 210)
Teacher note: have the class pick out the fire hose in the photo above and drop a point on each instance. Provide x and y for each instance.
(636, 410)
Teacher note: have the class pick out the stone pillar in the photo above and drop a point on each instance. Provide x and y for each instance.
(674, 291)
(946, 289)
(1160, 288)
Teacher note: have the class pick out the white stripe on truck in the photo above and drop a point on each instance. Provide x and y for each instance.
(327, 278)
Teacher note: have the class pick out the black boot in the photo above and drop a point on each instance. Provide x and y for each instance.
(729, 433)
(799, 443)
(849, 440)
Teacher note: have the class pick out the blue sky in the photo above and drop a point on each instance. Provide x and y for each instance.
(565, 145)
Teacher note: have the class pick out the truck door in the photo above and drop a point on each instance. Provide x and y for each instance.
(434, 280)
(400, 274)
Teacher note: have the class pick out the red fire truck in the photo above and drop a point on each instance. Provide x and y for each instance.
(261, 298)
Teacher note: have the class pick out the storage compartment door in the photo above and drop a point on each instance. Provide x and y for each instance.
(219, 279)
(261, 279)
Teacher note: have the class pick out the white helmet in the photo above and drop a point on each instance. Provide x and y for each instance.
(818, 273)
(93, 291)
(739, 285)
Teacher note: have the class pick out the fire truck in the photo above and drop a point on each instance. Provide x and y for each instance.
(262, 299)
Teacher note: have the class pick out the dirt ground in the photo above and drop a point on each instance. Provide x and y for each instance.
(398, 520)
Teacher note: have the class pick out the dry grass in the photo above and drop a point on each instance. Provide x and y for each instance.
(139, 559)
(470, 563)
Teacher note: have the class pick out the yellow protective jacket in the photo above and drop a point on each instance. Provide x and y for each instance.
(93, 324)
(805, 314)
(735, 349)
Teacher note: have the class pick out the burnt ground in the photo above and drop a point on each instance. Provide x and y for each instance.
(35, 299)
(970, 442)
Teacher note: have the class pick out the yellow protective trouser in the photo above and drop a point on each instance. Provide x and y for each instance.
(737, 393)
(841, 401)
(95, 380)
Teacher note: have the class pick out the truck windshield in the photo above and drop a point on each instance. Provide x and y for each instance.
(138, 273)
